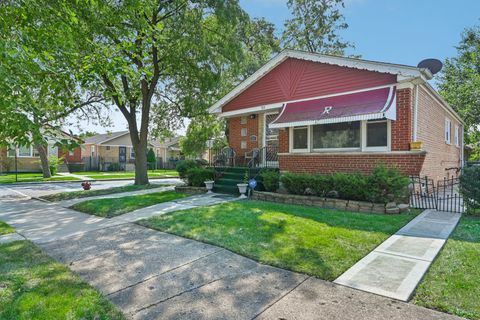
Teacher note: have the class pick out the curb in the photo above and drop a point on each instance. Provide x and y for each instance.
(70, 181)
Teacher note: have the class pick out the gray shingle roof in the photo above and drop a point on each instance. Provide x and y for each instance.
(99, 138)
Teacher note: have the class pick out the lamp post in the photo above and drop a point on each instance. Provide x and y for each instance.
(16, 166)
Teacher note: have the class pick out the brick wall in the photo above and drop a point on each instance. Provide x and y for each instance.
(431, 131)
(409, 163)
(402, 127)
(75, 158)
(234, 134)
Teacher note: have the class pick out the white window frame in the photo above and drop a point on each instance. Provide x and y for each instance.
(243, 132)
(363, 136)
(243, 145)
(243, 120)
(457, 136)
(309, 133)
(448, 131)
(17, 153)
(132, 153)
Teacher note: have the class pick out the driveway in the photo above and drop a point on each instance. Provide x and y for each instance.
(155, 275)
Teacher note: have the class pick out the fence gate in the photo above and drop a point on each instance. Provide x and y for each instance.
(442, 196)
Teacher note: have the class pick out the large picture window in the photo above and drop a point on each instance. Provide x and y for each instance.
(300, 138)
(377, 134)
(336, 135)
(24, 151)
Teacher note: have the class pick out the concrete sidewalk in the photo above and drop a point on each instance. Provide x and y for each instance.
(395, 267)
(153, 275)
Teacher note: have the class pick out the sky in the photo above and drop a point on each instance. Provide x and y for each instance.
(401, 31)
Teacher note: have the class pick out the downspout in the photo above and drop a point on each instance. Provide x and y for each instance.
(415, 114)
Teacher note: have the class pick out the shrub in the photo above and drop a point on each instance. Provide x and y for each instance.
(470, 188)
(297, 183)
(384, 182)
(322, 184)
(184, 165)
(271, 180)
(114, 166)
(351, 186)
(197, 176)
(53, 163)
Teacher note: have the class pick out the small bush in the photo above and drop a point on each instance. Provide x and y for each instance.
(384, 182)
(114, 166)
(184, 165)
(351, 186)
(297, 183)
(470, 188)
(271, 180)
(197, 176)
(53, 163)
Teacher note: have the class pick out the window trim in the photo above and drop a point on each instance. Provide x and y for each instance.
(363, 136)
(346, 149)
(457, 136)
(309, 138)
(448, 131)
(242, 131)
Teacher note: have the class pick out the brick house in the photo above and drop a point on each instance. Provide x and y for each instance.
(306, 112)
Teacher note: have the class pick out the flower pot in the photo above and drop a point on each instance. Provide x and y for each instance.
(209, 185)
(242, 189)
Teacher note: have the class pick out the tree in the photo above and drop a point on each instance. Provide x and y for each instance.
(459, 84)
(315, 26)
(156, 61)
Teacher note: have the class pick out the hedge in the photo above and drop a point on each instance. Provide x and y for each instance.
(382, 185)
(197, 176)
(470, 188)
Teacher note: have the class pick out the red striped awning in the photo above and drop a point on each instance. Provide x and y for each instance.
(364, 105)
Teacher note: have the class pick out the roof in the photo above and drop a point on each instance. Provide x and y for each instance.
(364, 105)
(104, 137)
(169, 142)
(404, 72)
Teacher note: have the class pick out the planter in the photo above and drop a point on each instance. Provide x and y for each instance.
(416, 146)
(209, 186)
(86, 185)
(242, 188)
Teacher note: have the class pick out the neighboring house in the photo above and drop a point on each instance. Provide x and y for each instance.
(168, 151)
(305, 112)
(28, 160)
(102, 150)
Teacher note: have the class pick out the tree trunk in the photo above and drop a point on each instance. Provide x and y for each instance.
(42, 152)
(141, 172)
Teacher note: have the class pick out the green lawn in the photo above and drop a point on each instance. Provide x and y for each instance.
(116, 206)
(5, 228)
(319, 242)
(126, 175)
(92, 193)
(34, 286)
(29, 177)
(453, 282)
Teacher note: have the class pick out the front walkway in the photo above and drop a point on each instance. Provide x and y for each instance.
(395, 267)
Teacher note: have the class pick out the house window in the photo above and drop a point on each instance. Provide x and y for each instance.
(253, 137)
(377, 134)
(243, 120)
(243, 132)
(300, 138)
(24, 151)
(457, 136)
(35, 152)
(448, 131)
(71, 153)
(336, 135)
(243, 145)
(11, 152)
(52, 150)
(108, 148)
(92, 149)
(132, 153)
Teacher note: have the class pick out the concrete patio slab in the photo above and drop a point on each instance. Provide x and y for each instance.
(316, 299)
(396, 266)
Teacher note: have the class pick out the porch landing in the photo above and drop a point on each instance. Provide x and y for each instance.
(395, 268)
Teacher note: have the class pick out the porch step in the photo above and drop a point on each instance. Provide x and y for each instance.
(230, 182)
(224, 188)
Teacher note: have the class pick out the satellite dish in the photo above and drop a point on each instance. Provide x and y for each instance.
(434, 65)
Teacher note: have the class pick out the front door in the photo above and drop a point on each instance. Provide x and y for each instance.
(270, 157)
(122, 154)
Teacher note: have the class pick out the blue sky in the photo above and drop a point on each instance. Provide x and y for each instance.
(402, 31)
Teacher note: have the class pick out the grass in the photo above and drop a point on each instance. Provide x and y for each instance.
(319, 242)
(31, 177)
(92, 193)
(453, 282)
(5, 229)
(34, 286)
(124, 175)
(117, 206)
